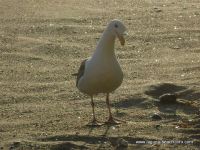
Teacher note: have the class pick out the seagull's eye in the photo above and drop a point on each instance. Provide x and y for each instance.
(116, 25)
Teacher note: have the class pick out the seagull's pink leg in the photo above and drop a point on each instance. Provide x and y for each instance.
(94, 121)
(111, 120)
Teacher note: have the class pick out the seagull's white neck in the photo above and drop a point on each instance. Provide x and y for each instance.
(106, 43)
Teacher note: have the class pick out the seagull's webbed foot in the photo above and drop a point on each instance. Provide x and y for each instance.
(114, 121)
(94, 123)
(111, 120)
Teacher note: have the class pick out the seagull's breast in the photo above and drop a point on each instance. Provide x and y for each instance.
(101, 75)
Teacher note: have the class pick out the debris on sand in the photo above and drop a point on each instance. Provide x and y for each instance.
(156, 117)
(158, 126)
(16, 144)
(157, 9)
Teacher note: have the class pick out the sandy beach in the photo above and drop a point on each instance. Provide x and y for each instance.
(43, 42)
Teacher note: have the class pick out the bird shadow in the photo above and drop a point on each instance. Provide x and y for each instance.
(132, 101)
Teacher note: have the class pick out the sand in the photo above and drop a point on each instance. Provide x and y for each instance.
(42, 42)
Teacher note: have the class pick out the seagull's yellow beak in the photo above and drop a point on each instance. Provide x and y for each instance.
(121, 38)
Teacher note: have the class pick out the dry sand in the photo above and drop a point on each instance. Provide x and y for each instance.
(42, 42)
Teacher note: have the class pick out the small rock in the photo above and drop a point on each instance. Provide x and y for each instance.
(11, 148)
(176, 47)
(157, 10)
(168, 98)
(196, 13)
(158, 126)
(155, 116)
(16, 144)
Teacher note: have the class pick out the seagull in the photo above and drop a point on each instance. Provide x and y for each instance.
(102, 73)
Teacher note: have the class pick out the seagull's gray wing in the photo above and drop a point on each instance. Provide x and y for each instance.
(80, 71)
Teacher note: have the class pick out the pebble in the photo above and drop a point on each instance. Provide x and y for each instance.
(11, 148)
(155, 116)
(16, 143)
(157, 126)
(157, 10)
(176, 47)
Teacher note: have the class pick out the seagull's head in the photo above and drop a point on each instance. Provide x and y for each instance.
(118, 29)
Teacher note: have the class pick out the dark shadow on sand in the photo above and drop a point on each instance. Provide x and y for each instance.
(133, 101)
(86, 138)
(162, 88)
(183, 93)
(68, 146)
